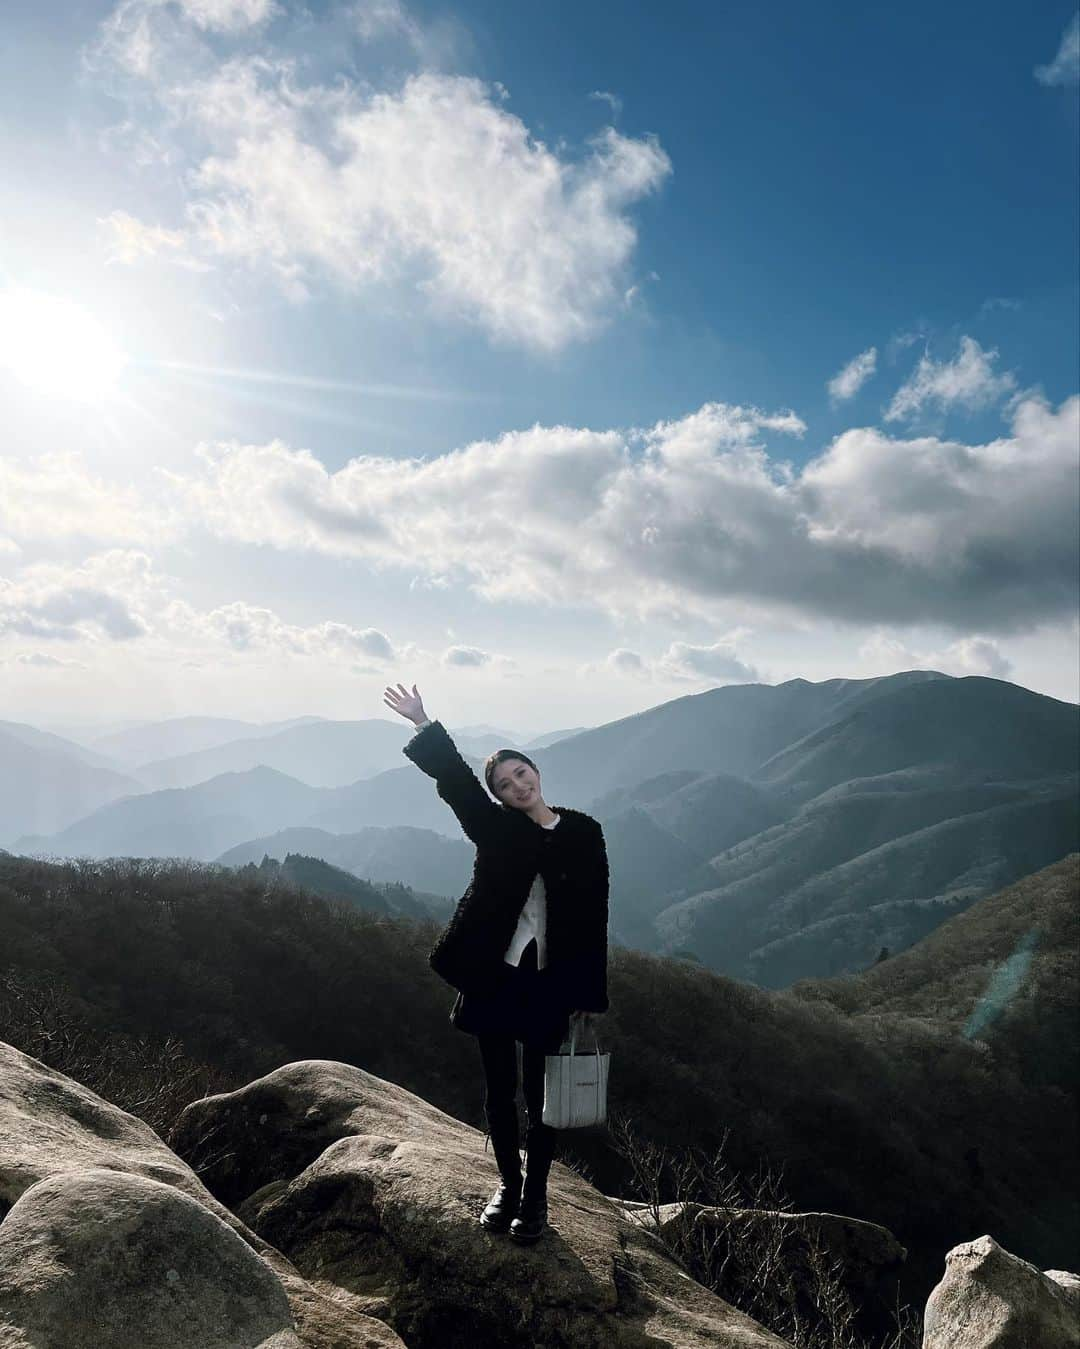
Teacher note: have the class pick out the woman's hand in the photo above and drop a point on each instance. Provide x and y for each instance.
(410, 705)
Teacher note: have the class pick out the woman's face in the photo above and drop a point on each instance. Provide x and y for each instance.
(516, 784)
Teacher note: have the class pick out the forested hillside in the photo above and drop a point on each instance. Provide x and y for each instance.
(155, 982)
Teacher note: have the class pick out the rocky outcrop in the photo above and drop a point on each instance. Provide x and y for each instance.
(109, 1241)
(356, 1229)
(373, 1194)
(990, 1299)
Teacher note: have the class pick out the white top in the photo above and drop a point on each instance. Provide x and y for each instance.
(532, 921)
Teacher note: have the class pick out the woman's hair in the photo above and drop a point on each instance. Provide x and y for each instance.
(493, 760)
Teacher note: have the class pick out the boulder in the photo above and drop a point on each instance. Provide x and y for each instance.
(76, 1171)
(375, 1194)
(99, 1257)
(991, 1299)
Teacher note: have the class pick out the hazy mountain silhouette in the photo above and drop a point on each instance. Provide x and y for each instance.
(423, 859)
(183, 735)
(773, 832)
(51, 740)
(198, 822)
(86, 732)
(46, 783)
(482, 739)
(551, 738)
(320, 753)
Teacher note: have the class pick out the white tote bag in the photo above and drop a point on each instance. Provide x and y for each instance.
(575, 1086)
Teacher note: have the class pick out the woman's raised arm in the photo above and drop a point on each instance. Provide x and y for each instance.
(434, 752)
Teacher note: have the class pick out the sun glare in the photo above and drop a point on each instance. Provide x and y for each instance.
(54, 347)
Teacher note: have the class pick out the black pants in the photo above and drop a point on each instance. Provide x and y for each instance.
(499, 1055)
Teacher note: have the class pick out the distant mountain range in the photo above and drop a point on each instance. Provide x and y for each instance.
(185, 735)
(321, 754)
(46, 782)
(898, 815)
(317, 877)
(422, 859)
(772, 832)
(188, 751)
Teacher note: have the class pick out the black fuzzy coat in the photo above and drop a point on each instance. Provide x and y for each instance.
(510, 849)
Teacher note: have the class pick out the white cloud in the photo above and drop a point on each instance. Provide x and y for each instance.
(689, 520)
(613, 101)
(625, 661)
(436, 185)
(692, 517)
(972, 655)
(369, 642)
(128, 241)
(1065, 67)
(718, 663)
(469, 656)
(968, 382)
(993, 302)
(854, 375)
(227, 15)
(376, 18)
(988, 531)
(55, 496)
(119, 594)
(143, 38)
(92, 601)
(680, 663)
(127, 40)
(40, 661)
(253, 629)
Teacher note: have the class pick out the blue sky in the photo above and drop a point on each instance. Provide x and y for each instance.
(503, 349)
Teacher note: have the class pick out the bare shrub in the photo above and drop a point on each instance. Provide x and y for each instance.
(739, 1237)
(148, 1077)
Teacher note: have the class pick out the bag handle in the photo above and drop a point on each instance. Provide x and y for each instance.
(573, 1040)
(599, 1061)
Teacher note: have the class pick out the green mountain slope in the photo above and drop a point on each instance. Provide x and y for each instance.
(1006, 970)
(919, 802)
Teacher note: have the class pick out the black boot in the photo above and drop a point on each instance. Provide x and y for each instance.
(505, 1142)
(531, 1220)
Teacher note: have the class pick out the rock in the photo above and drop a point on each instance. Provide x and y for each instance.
(990, 1299)
(375, 1194)
(1070, 1285)
(99, 1257)
(59, 1140)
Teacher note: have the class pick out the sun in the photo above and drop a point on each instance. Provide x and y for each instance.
(55, 347)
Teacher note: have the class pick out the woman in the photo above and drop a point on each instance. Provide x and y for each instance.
(526, 948)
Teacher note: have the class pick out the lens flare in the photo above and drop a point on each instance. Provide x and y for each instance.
(56, 348)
